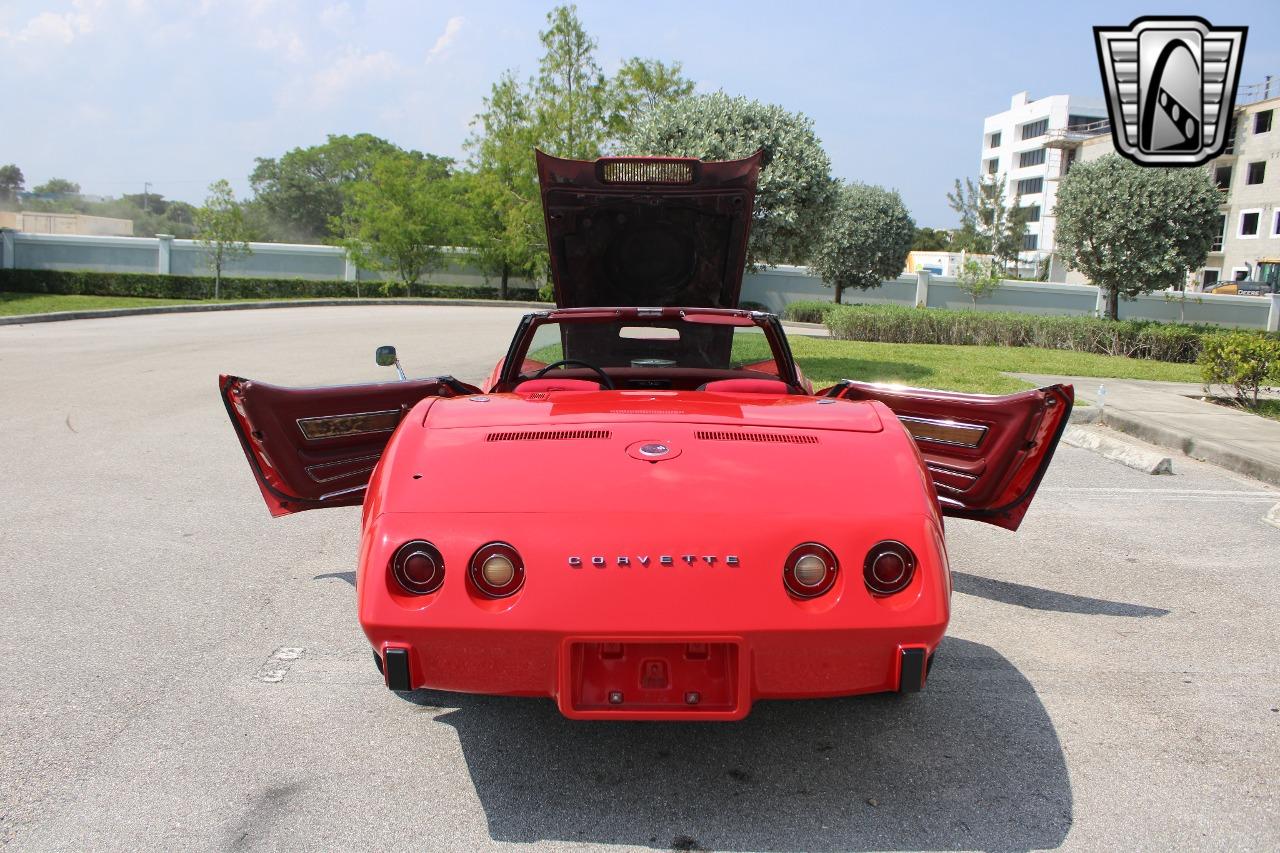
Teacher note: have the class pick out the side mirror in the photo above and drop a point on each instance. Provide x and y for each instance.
(385, 356)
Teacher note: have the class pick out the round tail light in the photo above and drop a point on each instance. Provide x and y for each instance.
(497, 570)
(889, 567)
(810, 570)
(418, 567)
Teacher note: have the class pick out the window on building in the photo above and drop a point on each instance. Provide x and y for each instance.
(1249, 223)
(1033, 213)
(1219, 234)
(1030, 241)
(1231, 138)
(1257, 172)
(1262, 122)
(1275, 223)
(1208, 278)
(1030, 186)
(1222, 177)
(1031, 158)
(1036, 128)
(995, 140)
(1078, 122)
(993, 165)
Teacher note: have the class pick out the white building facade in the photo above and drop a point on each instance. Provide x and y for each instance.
(1023, 144)
(1248, 176)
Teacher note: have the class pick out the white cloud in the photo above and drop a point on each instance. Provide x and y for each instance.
(336, 18)
(284, 42)
(352, 69)
(451, 30)
(54, 27)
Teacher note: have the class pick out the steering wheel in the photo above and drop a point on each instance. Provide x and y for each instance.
(605, 381)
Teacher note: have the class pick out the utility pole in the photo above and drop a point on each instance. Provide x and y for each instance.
(146, 191)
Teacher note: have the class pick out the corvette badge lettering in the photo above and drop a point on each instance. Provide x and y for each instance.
(625, 560)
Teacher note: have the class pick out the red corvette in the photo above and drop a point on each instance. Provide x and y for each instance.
(648, 513)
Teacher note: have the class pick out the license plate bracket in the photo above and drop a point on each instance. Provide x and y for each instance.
(660, 677)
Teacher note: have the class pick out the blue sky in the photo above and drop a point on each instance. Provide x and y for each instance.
(112, 93)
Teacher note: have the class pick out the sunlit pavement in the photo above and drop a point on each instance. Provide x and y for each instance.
(182, 672)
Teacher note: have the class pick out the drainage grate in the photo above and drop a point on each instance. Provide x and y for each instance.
(548, 435)
(771, 437)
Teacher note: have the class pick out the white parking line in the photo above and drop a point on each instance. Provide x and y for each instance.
(1104, 490)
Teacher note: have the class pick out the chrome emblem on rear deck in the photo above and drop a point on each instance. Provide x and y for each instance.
(625, 561)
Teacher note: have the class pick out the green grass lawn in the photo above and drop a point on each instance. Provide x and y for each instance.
(1269, 409)
(965, 368)
(12, 304)
(949, 368)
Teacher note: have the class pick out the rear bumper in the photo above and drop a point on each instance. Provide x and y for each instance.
(647, 677)
(653, 633)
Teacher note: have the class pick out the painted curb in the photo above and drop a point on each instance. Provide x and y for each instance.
(1205, 450)
(1137, 458)
(101, 313)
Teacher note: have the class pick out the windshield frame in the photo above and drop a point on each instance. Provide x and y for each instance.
(768, 323)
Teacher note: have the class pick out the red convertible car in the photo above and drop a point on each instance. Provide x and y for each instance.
(648, 512)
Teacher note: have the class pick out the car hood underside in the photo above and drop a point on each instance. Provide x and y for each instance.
(647, 231)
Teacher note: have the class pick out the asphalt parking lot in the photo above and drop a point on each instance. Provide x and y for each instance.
(180, 671)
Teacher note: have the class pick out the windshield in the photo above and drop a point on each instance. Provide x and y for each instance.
(652, 345)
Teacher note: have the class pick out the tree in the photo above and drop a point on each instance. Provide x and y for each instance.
(57, 186)
(640, 87)
(987, 224)
(505, 213)
(11, 182)
(570, 93)
(1135, 229)
(402, 217)
(866, 240)
(931, 240)
(796, 191)
(221, 230)
(304, 191)
(979, 280)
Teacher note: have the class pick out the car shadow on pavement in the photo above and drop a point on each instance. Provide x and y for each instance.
(972, 762)
(1037, 598)
(349, 577)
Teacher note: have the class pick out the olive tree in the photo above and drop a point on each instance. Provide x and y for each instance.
(866, 240)
(796, 191)
(1135, 229)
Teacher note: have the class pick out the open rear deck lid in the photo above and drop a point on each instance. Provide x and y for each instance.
(647, 231)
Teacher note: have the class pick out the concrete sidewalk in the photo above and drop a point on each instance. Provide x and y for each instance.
(1166, 414)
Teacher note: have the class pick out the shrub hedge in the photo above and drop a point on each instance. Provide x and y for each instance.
(201, 287)
(1149, 339)
(1247, 363)
(808, 311)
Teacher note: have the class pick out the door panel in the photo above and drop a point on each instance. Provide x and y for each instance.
(311, 448)
(986, 454)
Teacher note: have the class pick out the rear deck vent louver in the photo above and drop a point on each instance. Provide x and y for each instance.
(548, 435)
(767, 437)
(647, 172)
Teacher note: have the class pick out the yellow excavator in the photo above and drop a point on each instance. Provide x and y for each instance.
(1265, 279)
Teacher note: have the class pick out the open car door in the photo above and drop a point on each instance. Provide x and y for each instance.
(986, 454)
(311, 448)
